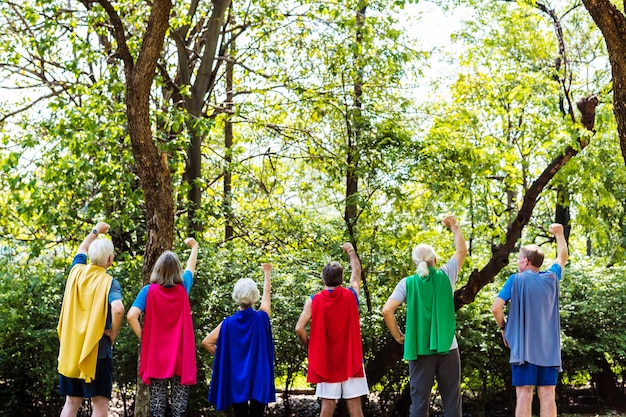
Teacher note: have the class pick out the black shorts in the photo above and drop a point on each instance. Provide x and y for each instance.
(101, 386)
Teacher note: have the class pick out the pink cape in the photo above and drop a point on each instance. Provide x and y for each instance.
(168, 347)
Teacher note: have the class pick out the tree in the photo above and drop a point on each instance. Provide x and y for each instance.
(505, 120)
(612, 23)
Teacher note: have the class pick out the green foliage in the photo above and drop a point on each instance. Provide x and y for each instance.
(593, 323)
(30, 296)
(472, 151)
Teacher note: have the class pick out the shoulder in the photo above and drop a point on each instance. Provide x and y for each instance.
(451, 267)
(79, 259)
(555, 269)
(261, 314)
(115, 285)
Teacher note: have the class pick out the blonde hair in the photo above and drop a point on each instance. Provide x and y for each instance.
(99, 251)
(246, 293)
(423, 256)
(167, 270)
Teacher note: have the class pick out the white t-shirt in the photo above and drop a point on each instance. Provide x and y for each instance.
(451, 269)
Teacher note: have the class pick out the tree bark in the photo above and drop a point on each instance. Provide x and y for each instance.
(612, 23)
(152, 165)
(609, 393)
(204, 83)
(228, 146)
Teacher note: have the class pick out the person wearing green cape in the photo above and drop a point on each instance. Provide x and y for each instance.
(430, 344)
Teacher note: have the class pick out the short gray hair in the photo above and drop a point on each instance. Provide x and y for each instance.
(246, 292)
(99, 251)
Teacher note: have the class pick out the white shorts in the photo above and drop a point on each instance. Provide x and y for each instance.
(352, 388)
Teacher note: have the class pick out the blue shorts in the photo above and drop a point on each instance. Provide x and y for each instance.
(534, 375)
(101, 386)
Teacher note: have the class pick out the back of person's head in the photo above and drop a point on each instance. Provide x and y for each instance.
(423, 256)
(246, 293)
(332, 274)
(534, 254)
(99, 252)
(167, 270)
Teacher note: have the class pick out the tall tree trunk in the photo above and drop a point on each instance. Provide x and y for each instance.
(608, 391)
(562, 213)
(228, 145)
(612, 24)
(204, 83)
(152, 165)
(354, 120)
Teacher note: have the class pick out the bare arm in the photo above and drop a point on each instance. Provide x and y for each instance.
(389, 310)
(355, 265)
(210, 342)
(305, 316)
(100, 228)
(497, 309)
(561, 245)
(193, 256)
(459, 241)
(117, 317)
(133, 320)
(267, 289)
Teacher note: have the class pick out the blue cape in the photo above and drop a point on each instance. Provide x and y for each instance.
(533, 329)
(243, 367)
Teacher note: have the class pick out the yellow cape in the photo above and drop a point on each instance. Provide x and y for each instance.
(82, 320)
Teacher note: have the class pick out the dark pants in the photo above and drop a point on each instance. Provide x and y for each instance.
(251, 409)
(422, 373)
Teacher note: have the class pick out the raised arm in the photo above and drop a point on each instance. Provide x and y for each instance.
(459, 241)
(100, 228)
(193, 256)
(267, 289)
(561, 245)
(355, 265)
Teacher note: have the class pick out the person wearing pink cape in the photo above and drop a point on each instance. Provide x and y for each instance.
(168, 349)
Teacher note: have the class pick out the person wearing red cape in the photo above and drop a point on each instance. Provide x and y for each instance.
(335, 350)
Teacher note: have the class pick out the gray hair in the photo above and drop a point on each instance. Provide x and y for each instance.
(246, 292)
(423, 256)
(99, 251)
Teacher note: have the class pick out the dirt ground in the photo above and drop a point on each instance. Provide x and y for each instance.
(308, 406)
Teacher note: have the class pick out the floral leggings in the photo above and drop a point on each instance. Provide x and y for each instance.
(158, 397)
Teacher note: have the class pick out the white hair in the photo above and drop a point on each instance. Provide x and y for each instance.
(246, 292)
(423, 256)
(99, 251)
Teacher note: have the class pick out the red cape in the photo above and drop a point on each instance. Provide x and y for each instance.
(335, 347)
(168, 346)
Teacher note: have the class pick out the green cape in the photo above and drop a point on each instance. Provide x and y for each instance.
(430, 317)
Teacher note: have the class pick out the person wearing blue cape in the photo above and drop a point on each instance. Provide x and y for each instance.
(243, 365)
(533, 329)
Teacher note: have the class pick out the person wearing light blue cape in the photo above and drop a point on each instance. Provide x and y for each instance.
(243, 366)
(533, 328)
